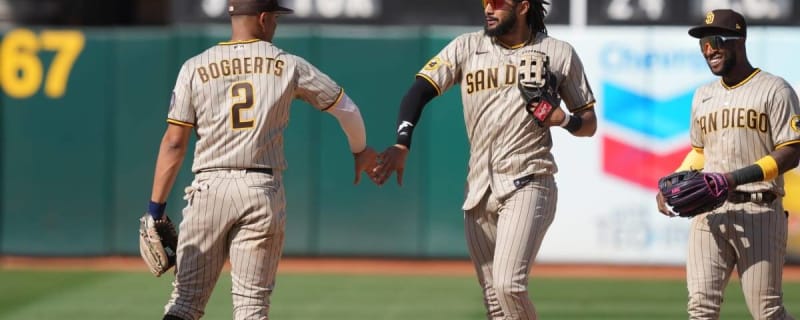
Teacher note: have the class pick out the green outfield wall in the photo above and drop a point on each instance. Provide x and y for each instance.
(83, 111)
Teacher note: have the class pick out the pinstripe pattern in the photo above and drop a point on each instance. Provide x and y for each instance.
(503, 236)
(236, 214)
(237, 97)
(504, 143)
(206, 102)
(505, 221)
(736, 126)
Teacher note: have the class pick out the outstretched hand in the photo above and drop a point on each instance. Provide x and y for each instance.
(365, 162)
(391, 160)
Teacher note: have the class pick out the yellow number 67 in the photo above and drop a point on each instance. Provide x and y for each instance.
(21, 69)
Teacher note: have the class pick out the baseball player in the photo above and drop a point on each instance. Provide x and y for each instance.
(236, 97)
(510, 191)
(746, 126)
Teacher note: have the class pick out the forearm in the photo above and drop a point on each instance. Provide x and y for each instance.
(420, 93)
(589, 127)
(349, 117)
(581, 124)
(767, 168)
(170, 158)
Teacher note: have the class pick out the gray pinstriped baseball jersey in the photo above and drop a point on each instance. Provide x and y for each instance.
(504, 143)
(736, 126)
(505, 221)
(237, 96)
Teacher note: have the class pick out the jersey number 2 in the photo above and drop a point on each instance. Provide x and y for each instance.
(242, 94)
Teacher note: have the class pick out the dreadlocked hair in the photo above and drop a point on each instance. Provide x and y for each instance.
(536, 15)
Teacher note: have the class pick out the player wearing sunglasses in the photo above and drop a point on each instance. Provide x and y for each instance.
(746, 128)
(506, 74)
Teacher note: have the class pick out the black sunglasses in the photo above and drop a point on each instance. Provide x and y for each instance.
(715, 42)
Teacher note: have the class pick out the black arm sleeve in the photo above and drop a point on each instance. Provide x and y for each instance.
(420, 93)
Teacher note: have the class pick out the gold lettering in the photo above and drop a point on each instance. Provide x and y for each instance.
(480, 80)
(269, 65)
(726, 118)
(236, 66)
(258, 65)
(248, 64)
(702, 123)
(511, 74)
(712, 122)
(491, 82)
(470, 83)
(214, 68)
(203, 74)
(226, 67)
(740, 113)
(752, 119)
(278, 67)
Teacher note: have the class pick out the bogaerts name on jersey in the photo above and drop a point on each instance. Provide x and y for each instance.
(237, 66)
(734, 118)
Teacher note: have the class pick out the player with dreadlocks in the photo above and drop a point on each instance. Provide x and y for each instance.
(513, 76)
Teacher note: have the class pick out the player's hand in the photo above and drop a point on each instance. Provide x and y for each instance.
(391, 160)
(365, 162)
(663, 207)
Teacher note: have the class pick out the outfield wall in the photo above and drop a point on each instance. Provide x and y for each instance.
(83, 111)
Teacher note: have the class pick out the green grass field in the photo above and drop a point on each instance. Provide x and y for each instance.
(34, 295)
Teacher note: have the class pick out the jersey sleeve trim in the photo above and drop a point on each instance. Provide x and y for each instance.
(585, 107)
(180, 123)
(335, 102)
(787, 143)
(433, 83)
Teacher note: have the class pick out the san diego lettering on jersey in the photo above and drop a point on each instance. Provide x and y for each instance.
(733, 118)
(489, 78)
(238, 66)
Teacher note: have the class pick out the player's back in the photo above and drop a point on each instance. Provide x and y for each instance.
(240, 95)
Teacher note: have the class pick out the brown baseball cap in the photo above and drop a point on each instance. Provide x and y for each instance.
(724, 22)
(254, 7)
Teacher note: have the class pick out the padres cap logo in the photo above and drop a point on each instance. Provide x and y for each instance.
(710, 18)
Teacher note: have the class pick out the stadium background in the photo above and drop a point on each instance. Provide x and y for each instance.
(85, 86)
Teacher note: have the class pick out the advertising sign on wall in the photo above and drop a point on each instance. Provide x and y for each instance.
(644, 80)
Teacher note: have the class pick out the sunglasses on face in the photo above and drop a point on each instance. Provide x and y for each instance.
(497, 4)
(716, 42)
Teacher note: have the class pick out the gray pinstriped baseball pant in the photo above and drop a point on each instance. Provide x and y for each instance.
(231, 214)
(504, 236)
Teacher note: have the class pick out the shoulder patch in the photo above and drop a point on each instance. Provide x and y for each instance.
(795, 123)
(434, 64)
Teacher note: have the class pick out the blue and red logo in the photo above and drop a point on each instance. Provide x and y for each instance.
(649, 137)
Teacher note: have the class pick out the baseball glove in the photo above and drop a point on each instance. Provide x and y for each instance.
(689, 193)
(158, 243)
(538, 87)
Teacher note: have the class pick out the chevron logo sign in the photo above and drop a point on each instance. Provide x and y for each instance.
(647, 137)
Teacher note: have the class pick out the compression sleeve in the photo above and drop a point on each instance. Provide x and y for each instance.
(420, 93)
(349, 117)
